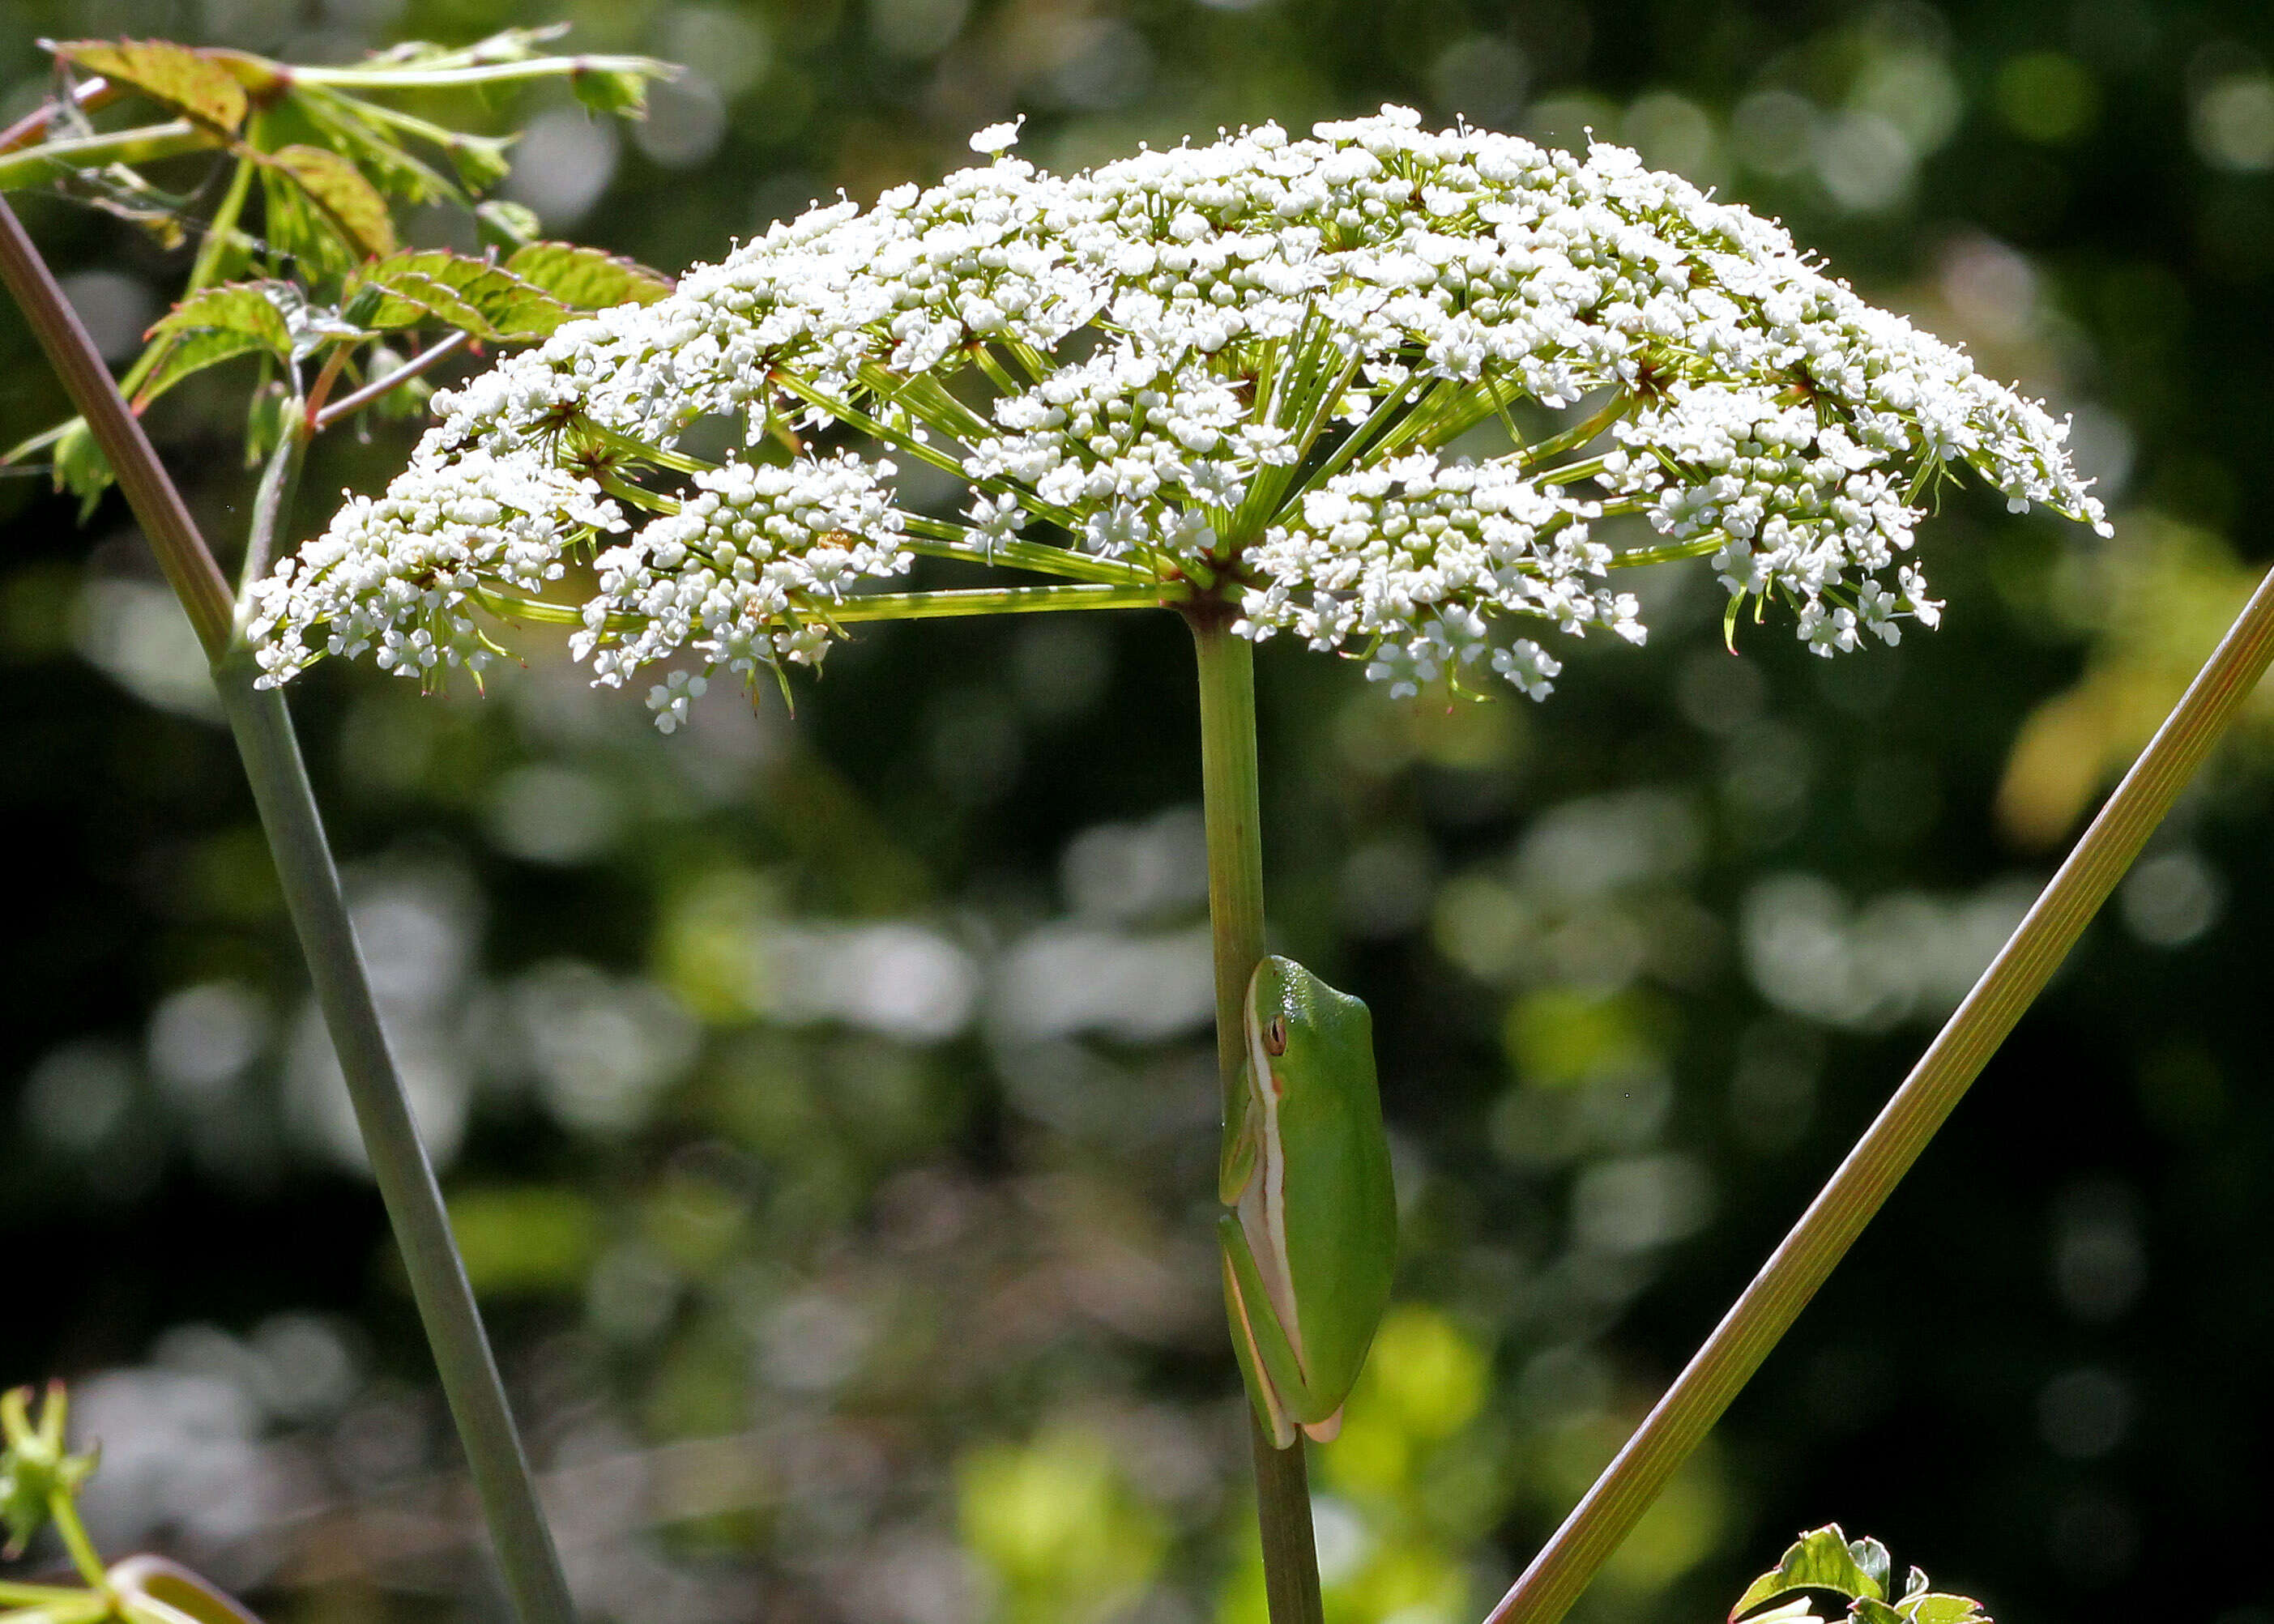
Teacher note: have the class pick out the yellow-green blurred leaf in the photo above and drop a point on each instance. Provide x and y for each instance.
(587, 278)
(185, 80)
(1059, 1526)
(2157, 601)
(526, 1238)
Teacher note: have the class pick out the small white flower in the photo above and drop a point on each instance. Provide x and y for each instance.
(999, 139)
(670, 698)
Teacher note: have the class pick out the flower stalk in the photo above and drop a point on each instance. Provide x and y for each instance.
(1806, 1257)
(294, 828)
(1230, 810)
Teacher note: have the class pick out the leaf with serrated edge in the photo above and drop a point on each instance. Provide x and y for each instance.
(1819, 1561)
(1941, 1608)
(411, 297)
(241, 307)
(194, 352)
(340, 190)
(504, 306)
(587, 278)
(183, 80)
(1872, 1610)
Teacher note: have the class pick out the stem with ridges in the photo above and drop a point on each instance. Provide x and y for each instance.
(1848, 1202)
(294, 828)
(1229, 802)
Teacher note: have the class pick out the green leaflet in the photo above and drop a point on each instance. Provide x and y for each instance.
(236, 307)
(587, 278)
(374, 148)
(194, 352)
(491, 302)
(186, 80)
(349, 205)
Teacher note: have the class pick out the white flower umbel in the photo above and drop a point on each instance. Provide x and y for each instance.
(1234, 372)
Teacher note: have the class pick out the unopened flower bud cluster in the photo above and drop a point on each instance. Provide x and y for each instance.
(1237, 368)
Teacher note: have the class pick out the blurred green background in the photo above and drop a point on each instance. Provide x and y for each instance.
(826, 1101)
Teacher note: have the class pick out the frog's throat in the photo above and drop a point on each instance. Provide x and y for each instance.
(1263, 1203)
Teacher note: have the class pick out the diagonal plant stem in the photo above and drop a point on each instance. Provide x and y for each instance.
(356, 401)
(1807, 1256)
(294, 828)
(1231, 809)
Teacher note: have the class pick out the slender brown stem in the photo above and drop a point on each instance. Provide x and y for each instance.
(1807, 1256)
(182, 552)
(87, 94)
(1231, 812)
(357, 399)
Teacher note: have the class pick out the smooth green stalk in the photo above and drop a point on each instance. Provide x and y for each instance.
(1235, 863)
(221, 229)
(294, 828)
(997, 600)
(143, 144)
(1807, 1256)
(432, 77)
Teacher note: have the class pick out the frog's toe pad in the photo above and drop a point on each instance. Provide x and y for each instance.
(1327, 1431)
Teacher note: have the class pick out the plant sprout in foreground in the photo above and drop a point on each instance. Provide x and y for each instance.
(1232, 375)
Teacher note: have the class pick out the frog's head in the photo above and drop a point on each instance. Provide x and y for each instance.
(1297, 1025)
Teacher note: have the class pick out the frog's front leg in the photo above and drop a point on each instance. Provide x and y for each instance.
(1267, 1359)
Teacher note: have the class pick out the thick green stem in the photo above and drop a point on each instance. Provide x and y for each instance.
(1235, 860)
(1807, 1256)
(294, 828)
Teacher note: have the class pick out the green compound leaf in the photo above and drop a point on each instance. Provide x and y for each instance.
(1821, 1561)
(186, 80)
(351, 204)
(489, 301)
(587, 278)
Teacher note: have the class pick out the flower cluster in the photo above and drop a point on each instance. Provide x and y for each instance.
(1319, 380)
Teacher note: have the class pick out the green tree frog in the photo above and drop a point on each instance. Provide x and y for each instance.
(1312, 1239)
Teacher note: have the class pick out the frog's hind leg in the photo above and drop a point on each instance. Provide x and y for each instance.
(1240, 1286)
(1327, 1431)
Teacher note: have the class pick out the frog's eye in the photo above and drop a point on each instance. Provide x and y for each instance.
(1275, 1036)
